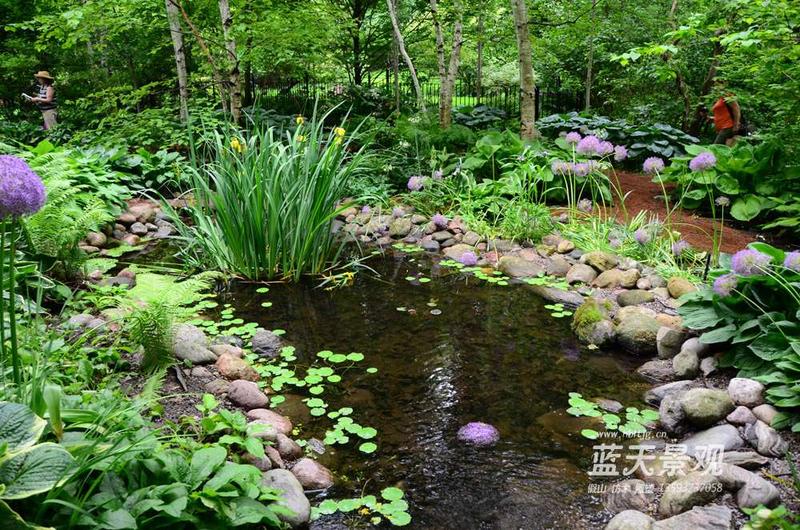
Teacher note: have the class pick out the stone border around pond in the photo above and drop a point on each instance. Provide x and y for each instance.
(620, 301)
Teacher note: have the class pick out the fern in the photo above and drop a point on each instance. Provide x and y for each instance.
(151, 328)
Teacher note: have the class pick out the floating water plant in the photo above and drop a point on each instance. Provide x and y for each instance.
(392, 507)
(635, 419)
(558, 311)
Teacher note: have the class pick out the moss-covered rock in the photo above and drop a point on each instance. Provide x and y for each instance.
(592, 324)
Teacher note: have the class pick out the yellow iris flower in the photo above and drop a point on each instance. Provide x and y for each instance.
(301, 138)
(300, 120)
(237, 145)
(338, 131)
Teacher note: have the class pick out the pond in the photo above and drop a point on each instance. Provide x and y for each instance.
(458, 350)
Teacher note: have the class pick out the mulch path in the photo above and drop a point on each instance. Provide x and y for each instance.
(643, 194)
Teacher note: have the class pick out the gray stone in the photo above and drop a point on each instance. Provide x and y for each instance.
(430, 245)
(696, 488)
(708, 366)
(457, 251)
(500, 245)
(247, 395)
(686, 364)
(227, 349)
(741, 416)
(599, 333)
(292, 498)
(262, 430)
(626, 495)
(745, 459)
(400, 227)
(637, 333)
(725, 435)
(765, 413)
(558, 296)
(471, 239)
(581, 273)
(614, 278)
(693, 344)
(217, 387)
(519, 267)
(656, 394)
(165, 230)
(266, 343)
(751, 489)
(565, 246)
(714, 517)
(96, 239)
(669, 341)
(138, 229)
(706, 406)
(663, 469)
(634, 297)
(557, 266)
(281, 423)
(678, 287)
(201, 372)
(602, 261)
(610, 405)
(189, 343)
(312, 475)
(765, 439)
(630, 520)
(79, 321)
(657, 370)
(671, 415)
(747, 392)
(442, 235)
(287, 448)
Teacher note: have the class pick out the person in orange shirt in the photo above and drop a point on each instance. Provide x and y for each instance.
(727, 119)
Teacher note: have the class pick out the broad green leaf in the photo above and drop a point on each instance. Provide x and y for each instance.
(19, 426)
(204, 462)
(723, 334)
(34, 470)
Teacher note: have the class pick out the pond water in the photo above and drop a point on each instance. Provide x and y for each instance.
(493, 354)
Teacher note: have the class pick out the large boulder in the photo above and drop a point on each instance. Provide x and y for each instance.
(634, 297)
(630, 520)
(312, 475)
(686, 364)
(751, 489)
(592, 324)
(696, 488)
(678, 287)
(189, 343)
(581, 273)
(519, 268)
(292, 498)
(266, 343)
(281, 423)
(706, 406)
(232, 368)
(247, 395)
(765, 439)
(726, 436)
(637, 333)
(712, 517)
(602, 261)
(628, 494)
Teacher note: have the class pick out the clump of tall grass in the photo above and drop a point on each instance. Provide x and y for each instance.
(264, 203)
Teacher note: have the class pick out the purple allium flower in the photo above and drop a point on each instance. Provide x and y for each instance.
(703, 161)
(573, 137)
(21, 190)
(615, 242)
(653, 165)
(589, 145)
(679, 247)
(440, 220)
(642, 236)
(468, 258)
(722, 201)
(416, 183)
(398, 212)
(438, 175)
(585, 205)
(749, 262)
(559, 167)
(581, 169)
(792, 261)
(605, 148)
(366, 210)
(725, 284)
(478, 433)
(620, 153)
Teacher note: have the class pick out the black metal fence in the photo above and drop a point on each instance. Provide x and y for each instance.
(298, 96)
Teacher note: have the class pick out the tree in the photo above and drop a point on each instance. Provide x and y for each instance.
(527, 82)
(234, 84)
(401, 48)
(176, 33)
(448, 71)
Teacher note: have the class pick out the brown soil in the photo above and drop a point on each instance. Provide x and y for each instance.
(643, 194)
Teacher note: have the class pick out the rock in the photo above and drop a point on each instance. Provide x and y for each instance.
(726, 436)
(131, 240)
(626, 495)
(669, 341)
(558, 296)
(281, 423)
(708, 366)
(633, 311)
(79, 321)
(741, 416)
(745, 459)
(232, 368)
(694, 345)
(670, 321)
(139, 229)
(430, 245)
(557, 266)
(581, 273)
(602, 261)
(217, 387)
(696, 488)
(686, 364)
(189, 343)
(262, 430)
(591, 322)
(471, 239)
(671, 415)
(266, 343)
(747, 392)
(765, 439)
(288, 448)
(96, 239)
(630, 520)
(201, 372)
(126, 218)
(143, 212)
(664, 468)
(229, 340)
(610, 405)
(712, 517)
(765, 413)
(457, 251)
(262, 463)
(89, 249)
(400, 227)
(657, 394)
(441, 235)
(751, 489)
(565, 246)
(119, 281)
(637, 333)
(678, 287)
(247, 395)
(614, 278)
(706, 406)
(274, 456)
(227, 349)
(312, 475)
(634, 297)
(293, 498)
(518, 267)
(658, 371)
(164, 231)
(500, 245)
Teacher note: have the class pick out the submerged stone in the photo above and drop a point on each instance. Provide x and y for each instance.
(478, 433)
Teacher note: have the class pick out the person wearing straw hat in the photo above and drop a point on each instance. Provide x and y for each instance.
(46, 101)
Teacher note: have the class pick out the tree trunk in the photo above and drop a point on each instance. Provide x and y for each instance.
(401, 47)
(447, 72)
(175, 30)
(527, 82)
(234, 83)
(479, 66)
(396, 74)
(587, 97)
